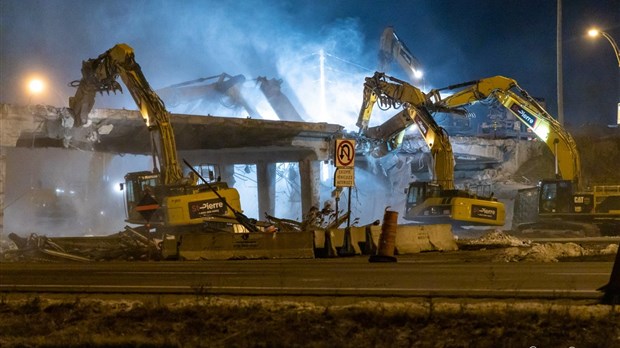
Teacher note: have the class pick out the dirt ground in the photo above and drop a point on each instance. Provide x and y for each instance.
(225, 322)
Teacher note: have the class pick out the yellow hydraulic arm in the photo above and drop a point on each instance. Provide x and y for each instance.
(99, 75)
(528, 111)
(394, 93)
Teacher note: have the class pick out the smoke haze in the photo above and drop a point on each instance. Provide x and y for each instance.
(322, 50)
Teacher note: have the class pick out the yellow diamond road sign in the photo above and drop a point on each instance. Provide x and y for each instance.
(344, 177)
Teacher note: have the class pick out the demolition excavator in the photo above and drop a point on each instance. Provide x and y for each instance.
(563, 198)
(163, 197)
(427, 202)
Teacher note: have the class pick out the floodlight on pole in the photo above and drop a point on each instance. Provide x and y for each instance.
(596, 32)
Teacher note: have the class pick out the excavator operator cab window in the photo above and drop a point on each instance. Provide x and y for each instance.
(434, 190)
(555, 196)
(136, 185)
(417, 193)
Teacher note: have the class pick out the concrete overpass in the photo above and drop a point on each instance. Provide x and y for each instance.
(200, 139)
(228, 141)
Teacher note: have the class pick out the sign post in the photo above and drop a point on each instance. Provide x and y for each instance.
(344, 159)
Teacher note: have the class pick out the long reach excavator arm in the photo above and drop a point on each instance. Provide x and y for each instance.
(100, 74)
(181, 204)
(392, 48)
(527, 110)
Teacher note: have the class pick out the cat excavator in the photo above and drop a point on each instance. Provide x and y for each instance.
(564, 197)
(163, 197)
(427, 202)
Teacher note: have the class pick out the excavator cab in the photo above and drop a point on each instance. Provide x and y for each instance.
(555, 196)
(136, 187)
(417, 195)
(419, 191)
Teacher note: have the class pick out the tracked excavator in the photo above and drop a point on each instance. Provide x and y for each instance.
(563, 198)
(427, 202)
(163, 197)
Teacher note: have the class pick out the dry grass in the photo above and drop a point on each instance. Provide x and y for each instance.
(214, 322)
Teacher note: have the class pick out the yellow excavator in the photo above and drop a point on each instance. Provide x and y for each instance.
(163, 197)
(564, 197)
(427, 202)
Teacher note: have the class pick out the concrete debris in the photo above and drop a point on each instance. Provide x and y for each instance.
(130, 244)
(315, 219)
(39, 248)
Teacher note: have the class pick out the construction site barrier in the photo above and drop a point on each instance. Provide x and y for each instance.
(327, 243)
(410, 239)
(225, 246)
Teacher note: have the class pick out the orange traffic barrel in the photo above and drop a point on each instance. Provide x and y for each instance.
(387, 238)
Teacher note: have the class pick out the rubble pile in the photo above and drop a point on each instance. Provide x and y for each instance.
(315, 219)
(129, 244)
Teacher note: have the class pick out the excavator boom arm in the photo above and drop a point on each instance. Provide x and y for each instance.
(525, 108)
(100, 74)
(392, 48)
(393, 93)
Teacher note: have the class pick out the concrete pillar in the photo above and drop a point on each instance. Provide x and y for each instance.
(96, 194)
(266, 179)
(227, 173)
(310, 177)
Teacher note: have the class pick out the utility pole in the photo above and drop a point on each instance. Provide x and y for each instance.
(560, 87)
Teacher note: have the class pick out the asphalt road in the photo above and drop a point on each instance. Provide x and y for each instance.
(355, 276)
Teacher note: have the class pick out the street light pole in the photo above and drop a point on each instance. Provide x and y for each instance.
(560, 80)
(594, 32)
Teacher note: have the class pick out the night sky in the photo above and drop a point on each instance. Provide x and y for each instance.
(456, 41)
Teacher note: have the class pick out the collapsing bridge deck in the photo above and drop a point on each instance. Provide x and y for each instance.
(199, 139)
(123, 131)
